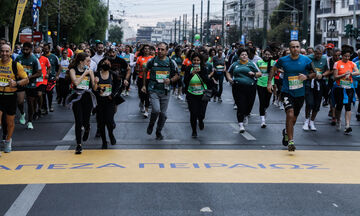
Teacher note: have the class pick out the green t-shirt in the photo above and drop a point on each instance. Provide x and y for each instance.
(262, 65)
(195, 85)
(160, 70)
(321, 66)
(54, 62)
(31, 65)
(240, 73)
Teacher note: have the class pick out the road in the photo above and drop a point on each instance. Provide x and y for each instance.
(221, 172)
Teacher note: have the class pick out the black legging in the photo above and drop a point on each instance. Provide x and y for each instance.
(244, 97)
(144, 97)
(63, 87)
(264, 98)
(105, 112)
(197, 108)
(82, 111)
(339, 97)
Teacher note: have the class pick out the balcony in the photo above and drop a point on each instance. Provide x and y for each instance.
(324, 11)
(351, 7)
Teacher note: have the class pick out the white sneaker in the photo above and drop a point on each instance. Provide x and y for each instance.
(246, 120)
(126, 93)
(235, 107)
(276, 103)
(312, 126)
(306, 125)
(22, 119)
(7, 146)
(123, 93)
(282, 106)
(30, 126)
(338, 125)
(242, 129)
(146, 114)
(179, 97)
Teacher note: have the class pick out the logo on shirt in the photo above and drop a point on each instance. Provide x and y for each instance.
(155, 64)
(342, 66)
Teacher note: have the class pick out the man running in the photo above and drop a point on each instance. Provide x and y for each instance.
(163, 72)
(297, 68)
(12, 74)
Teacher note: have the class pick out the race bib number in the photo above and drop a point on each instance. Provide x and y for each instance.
(161, 75)
(40, 79)
(84, 84)
(346, 84)
(220, 68)
(318, 71)
(182, 73)
(63, 73)
(107, 89)
(295, 83)
(4, 80)
(28, 71)
(196, 88)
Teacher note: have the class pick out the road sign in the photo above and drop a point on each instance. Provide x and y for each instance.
(294, 35)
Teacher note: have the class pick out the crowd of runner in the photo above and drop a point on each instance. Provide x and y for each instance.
(95, 79)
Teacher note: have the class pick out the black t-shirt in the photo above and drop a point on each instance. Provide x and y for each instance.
(119, 67)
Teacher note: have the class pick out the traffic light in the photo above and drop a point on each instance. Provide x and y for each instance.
(111, 17)
(228, 24)
(217, 38)
(349, 30)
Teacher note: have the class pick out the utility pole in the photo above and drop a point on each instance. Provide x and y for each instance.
(46, 23)
(183, 33)
(186, 28)
(179, 29)
(193, 24)
(312, 24)
(58, 27)
(196, 28)
(208, 23)
(240, 23)
(108, 18)
(266, 14)
(171, 30)
(201, 21)
(175, 31)
(223, 25)
(305, 20)
(354, 24)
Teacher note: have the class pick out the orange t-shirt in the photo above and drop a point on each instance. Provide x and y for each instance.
(45, 64)
(187, 62)
(140, 62)
(342, 68)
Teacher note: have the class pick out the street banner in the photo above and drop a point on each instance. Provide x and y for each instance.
(294, 35)
(18, 17)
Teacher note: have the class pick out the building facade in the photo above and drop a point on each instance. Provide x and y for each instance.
(332, 17)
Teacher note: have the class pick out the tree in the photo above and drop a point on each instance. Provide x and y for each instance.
(256, 36)
(281, 33)
(233, 34)
(115, 34)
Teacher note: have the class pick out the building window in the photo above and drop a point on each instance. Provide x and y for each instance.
(342, 3)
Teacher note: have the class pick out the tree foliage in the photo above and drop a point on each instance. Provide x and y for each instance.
(80, 20)
(256, 36)
(233, 34)
(115, 34)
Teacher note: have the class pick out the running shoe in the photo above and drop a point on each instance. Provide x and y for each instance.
(78, 149)
(348, 131)
(86, 134)
(123, 93)
(285, 139)
(325, 103)
(22, 119)
(291, 146)
(242, 129)
(51, 109)
(194, 134)
(126, 93)
(201, 125)
(282, 106)
(214, 99)
(263, 124)
(312, 126)
(149, 129)
(235, 107)
(104, 145)
(306, 125)
(30, 126)
(220, 100)
(276, 103)
(112, 140)
(146, 114)
(338, 125)
(333, 121)
(159, 136)
(7, 146)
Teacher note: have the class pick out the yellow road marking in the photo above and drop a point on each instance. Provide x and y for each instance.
(207, 166)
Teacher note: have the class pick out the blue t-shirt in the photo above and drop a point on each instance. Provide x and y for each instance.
(292, 69)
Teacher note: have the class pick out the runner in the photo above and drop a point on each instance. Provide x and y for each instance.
(329, 92)
(81, 100)
(55, 69)
(106, 86)
(99, 53)
(12, 74)
(33, 69)
(163, 72)
(128, 56)
(120, 68)
(196, 82)
(62, 80)
(219, 65)
(265, 66)
(143, 58)
(344, 93)
(314, 88)
(296, 70)
(242, 76)
(41, 81)
(179, 84)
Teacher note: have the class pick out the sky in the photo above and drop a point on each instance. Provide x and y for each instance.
(148, 12)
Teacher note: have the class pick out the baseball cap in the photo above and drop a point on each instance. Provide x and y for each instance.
(330, 46)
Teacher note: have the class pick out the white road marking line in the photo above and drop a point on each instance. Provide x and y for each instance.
(70, 135)
(336, 206)
(206, 209)
(246, 134)
(28, 196)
